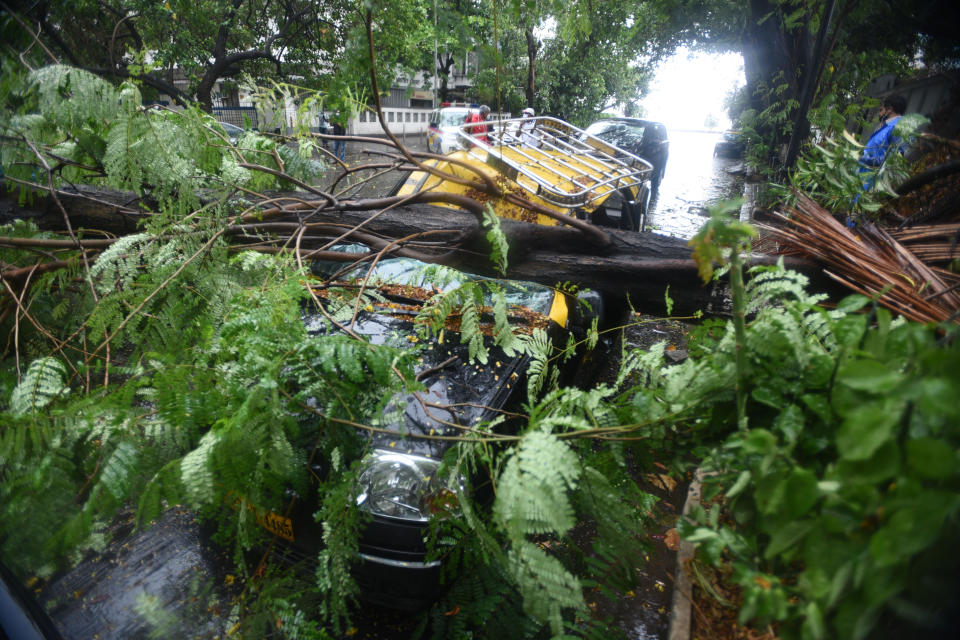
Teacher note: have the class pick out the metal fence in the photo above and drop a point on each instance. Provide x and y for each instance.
(244, 117)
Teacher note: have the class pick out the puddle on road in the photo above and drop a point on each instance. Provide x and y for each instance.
(694, 181)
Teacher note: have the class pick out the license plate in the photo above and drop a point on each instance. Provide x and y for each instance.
(278, 525)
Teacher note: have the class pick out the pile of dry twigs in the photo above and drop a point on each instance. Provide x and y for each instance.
(908, 258)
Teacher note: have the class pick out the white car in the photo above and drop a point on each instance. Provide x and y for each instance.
(444, 124)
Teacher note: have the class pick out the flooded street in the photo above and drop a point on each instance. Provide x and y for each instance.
(694, 181)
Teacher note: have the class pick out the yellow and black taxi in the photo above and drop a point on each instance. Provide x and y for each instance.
(551, 163)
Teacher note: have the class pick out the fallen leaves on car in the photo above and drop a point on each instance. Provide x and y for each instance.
(661, 480)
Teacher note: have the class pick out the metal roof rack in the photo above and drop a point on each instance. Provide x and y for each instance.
(555, 160)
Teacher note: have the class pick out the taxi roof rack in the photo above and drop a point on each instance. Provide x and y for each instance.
(559, 163)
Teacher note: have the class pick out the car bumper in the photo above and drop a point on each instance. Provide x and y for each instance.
(397, 584)
(393, 569)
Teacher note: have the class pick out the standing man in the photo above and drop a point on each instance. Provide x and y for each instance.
(479, 131)
(878, 146)
(882, 139)
(527, 136)
(339, 146)
(323, 126)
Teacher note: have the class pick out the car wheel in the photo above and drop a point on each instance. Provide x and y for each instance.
(640, 209)
(626, 221)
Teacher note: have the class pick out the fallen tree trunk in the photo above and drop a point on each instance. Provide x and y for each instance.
(640, 267)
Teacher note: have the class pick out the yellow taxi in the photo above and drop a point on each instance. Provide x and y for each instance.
(548, 162)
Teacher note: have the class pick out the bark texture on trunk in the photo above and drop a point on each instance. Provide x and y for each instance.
(533, 46)
(636, 266)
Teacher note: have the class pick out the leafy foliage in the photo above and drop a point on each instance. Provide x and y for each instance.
(86, 130)
(193, 380)
(832, 174)
(43, 383)
(497, 239)
(467, 301)
(821, 502)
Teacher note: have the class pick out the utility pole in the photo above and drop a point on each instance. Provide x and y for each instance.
(434, 54)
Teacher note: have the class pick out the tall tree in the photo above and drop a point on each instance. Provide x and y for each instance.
(460, 27)
(601, 56)
(205, 40)
(816, 55)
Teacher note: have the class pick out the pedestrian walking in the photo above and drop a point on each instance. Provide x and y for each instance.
(323, 127)
(881, 142)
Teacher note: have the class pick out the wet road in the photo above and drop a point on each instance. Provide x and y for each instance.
(694, 180)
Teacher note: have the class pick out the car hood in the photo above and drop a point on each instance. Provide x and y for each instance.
(459, 394)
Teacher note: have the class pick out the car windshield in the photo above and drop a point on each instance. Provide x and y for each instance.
(453, 117)
(410, 272)
(731, 136)
(231, 129)
(622, 134)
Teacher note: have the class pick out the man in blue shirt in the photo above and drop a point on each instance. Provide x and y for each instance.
(882, 139)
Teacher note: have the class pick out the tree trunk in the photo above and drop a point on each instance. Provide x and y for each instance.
(532, 47)
(444, 70)
(768, 61)
(638, 266)
(810, 78)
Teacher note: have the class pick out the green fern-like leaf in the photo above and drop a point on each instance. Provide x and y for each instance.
(435, 312)
(532, 496)
(42, 384)
(647, 364)
(72, 97)
(539, 347)
(341, 530)
(572, 409)
(496, 238)
(120, 471)
(470, 331)
(545, 584)
(119, 263)
(196, 471)
(503, 335)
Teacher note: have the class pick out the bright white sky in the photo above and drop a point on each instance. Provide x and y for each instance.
(690, 86)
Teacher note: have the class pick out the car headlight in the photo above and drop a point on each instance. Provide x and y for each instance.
(402, 485)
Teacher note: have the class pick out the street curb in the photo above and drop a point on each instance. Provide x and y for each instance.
(681, 607)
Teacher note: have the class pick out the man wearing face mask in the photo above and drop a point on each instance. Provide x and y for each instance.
(882, 140)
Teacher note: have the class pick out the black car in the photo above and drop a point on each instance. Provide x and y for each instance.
(233, 131)
(730, 145)
(643, 138)
(400, 488)
(21, 616)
